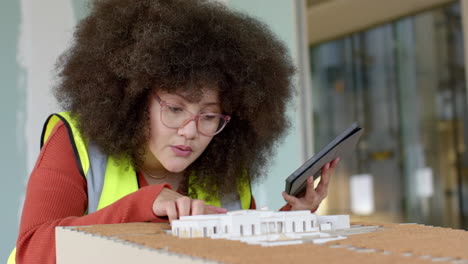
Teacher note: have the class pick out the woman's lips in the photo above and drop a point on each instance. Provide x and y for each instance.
(182, 151)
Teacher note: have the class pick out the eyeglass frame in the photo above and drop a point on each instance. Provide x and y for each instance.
(193, 117)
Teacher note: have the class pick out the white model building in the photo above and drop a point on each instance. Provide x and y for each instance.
(264, 227)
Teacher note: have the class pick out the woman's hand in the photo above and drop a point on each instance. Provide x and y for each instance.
(174, 205)
(313, 196)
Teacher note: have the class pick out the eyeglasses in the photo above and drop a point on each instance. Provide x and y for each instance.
(174, 116)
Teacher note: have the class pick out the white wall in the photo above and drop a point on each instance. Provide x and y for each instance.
(40, 31)
(12, 151)
(46, 30)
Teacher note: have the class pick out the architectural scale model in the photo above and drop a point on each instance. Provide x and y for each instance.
(266, 227)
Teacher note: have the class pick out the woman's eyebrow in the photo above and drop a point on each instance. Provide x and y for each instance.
(188, 100)
(182, 96)
(211, 103)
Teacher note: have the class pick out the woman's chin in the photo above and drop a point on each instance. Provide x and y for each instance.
(175, 168)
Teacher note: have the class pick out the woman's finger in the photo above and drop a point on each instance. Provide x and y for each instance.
(211, 209)
(293, 201)
(198, 207)
(183, 206)
(322, 186)
(171, 210)
(334, 163)
(310, 190)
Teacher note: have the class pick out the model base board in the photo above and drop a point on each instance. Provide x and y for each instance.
(150, 243)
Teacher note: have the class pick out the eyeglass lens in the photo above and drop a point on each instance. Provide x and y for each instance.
(175, 117)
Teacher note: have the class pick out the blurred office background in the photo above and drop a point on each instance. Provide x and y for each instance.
(396, 67)
(403, 78)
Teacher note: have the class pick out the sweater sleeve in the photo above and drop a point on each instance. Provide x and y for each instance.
(253, 205)
(286, 207)
(56, 196)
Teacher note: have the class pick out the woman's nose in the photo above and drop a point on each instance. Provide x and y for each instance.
(189, 129)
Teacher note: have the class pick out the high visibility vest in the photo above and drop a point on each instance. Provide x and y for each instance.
(120, 176)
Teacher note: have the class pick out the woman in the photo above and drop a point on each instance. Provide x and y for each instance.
(172, 108)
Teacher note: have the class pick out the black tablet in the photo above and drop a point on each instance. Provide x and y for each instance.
(340, 147)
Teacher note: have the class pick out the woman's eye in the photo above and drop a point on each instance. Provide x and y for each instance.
(209, 117)
(175, 109)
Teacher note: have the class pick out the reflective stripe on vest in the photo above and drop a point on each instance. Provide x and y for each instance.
(109, 179)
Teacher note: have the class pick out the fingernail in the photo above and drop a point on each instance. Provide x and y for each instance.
(310, 180)
(221, 209)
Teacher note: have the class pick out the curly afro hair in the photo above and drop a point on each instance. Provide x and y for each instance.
(125, 50)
